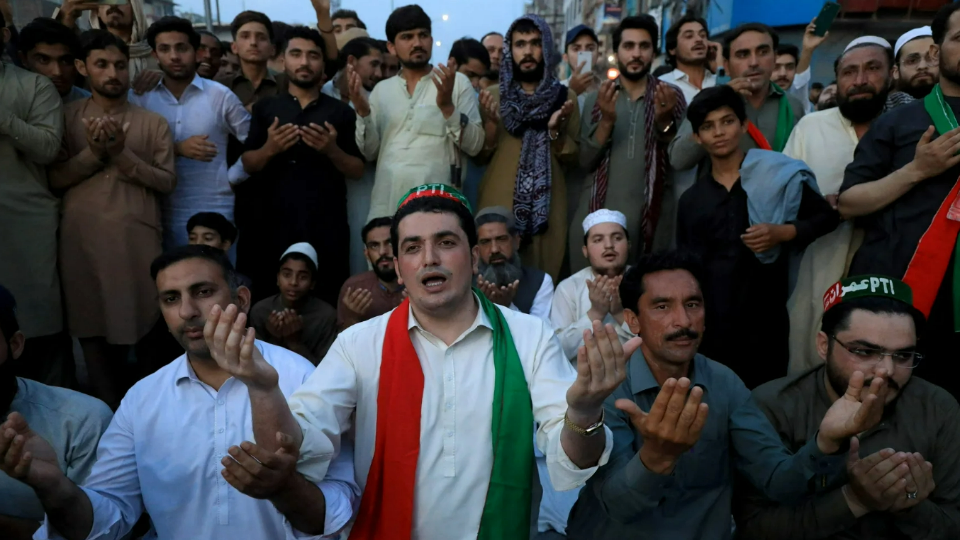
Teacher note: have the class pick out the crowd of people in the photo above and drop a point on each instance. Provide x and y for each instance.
(712, 300)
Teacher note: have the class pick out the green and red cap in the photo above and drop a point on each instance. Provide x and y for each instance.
(435, 190)
(865, 286)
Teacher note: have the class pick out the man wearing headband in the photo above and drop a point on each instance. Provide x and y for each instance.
(903, 187)
(917, 69)
(591, 294)
(170, 449)
(683, 424)
(902, 479)
(71, 421)
(443, 393)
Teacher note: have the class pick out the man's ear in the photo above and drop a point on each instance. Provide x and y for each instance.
(233, 49)
(475, 257)
(243, 299)
(5, 32)
(392, 49)
(823, 345)
(226, 245)
(696, 137)
(632, 320)
(17, 343)
(81, 67)
(396, 268)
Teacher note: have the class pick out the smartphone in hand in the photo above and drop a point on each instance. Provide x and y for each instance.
(585, 58)
(828, 13)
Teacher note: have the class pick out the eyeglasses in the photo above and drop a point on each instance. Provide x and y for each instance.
(871, 356)
(914, 60)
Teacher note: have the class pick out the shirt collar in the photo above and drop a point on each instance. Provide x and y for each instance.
(196, 82)
(481, 320)
(184, 371)
(642, 379)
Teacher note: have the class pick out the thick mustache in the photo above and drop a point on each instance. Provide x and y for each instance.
(384, 259)
(684, 333)
(434, 270)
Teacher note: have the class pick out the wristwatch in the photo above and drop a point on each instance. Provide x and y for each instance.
(589, 431)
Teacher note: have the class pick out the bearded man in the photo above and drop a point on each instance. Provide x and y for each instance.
(375, 292)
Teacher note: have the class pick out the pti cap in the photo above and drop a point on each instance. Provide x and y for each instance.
(434, 190)
(865, 286)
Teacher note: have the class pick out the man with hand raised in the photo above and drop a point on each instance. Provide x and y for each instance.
(670, 473)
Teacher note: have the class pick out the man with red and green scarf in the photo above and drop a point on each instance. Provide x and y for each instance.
(441, 395)
(903, 188)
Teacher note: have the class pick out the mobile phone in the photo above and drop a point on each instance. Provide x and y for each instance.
(722, 77)
(585, 58)
(826, 17)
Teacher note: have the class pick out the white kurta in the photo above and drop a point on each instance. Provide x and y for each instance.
(456, 448)
(825, 140)
(410, 137)
(571, 303)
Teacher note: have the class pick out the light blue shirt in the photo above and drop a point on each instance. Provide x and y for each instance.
(161, 455)
(75, 93)
(205, 108)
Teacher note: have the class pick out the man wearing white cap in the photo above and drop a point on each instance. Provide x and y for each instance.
(917, 69)
(591, 294)
(294, 318)
(826, 140)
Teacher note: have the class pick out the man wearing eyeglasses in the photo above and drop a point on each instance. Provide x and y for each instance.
(902, 478)
(917, 66)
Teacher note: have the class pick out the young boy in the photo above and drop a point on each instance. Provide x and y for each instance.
(214, 230)
(296, 319)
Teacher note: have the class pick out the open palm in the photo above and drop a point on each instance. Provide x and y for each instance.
(858, 410)
(28, 457)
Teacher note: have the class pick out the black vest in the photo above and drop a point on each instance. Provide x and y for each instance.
(530, 284)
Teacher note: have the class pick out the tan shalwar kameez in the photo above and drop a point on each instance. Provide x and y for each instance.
(545, 251)
(110, 229)
(31, 126)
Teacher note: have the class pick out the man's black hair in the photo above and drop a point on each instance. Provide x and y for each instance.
(749, 27)
(791, 49)
(466, 48)
(941, 20)
(245, 17)
(196, 251)
(280, 30)
(358, 47)
(405, 19)
(637, 22)
(303, 32)
(99, 40)
(214, 221)
(837, 318)
(437, 205)
(297, 256)
(49, 31)
(631, 287)
(488, 34)
(524, 26)
(348, 14)
(373, 224)
(173, 24)
(672, 37)
(816, 86)
(211, 34)
(711, 99)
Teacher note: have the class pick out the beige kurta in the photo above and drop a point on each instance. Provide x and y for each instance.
(31, 126)
(110, 229)
(546, 250)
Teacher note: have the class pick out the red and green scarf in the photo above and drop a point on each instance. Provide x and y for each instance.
(929, 264)
(785, 124)
(386, 509)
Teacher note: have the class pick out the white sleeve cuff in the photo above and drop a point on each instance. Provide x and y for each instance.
(564, 474)
(107, 521)
(237, 174)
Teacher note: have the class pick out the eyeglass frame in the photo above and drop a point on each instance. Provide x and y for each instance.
(917, 357)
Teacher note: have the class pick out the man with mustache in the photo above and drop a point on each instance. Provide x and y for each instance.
(683, 423)
(420, 124)
(532, 125)
(126, 21)
(182, 436)
(625, 130)
(49, 48)
(692, 55)
(744, 216)
(502, 278)
(209, 55)
(591, 294)
(301, 151)
(902, 188)
(459, 382)
(118, 161)
(917, 69)
(826, 141)
(749, 55)
(202, 114)
(375, 292)
(903, 479)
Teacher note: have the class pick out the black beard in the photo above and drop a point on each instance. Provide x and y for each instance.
(388, 276)
(633, 76)
(528, 76)
(306, 85)
(946, 72)
(502, 274)
(839, 383)
(415, 65)
(110, 95)
(828, 104)
(921, 91)
(862, 110)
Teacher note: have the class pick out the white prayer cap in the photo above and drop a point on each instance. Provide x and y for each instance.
(868, 40)
(302, 248)
(604, 216)
(923, 31)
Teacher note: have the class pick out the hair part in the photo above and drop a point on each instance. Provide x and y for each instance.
(837, 318)
(101, 40)
(214, 221)
(173, 24)
(711, 99)
(303, 32)
(436, 205)
(672, 36)
(248, 16)
(49, 31)
(373, 224)
(632, 286)
(405, 19)
(466, 48)
(637, 22)
(197, 251)
(749, 27)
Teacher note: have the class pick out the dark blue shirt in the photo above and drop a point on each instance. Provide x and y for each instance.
(625, 500)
